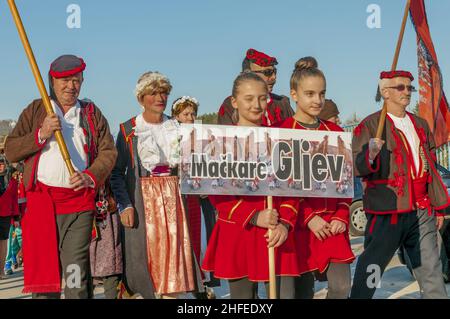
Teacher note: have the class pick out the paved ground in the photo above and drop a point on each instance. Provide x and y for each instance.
(11, 288)
(396, 283)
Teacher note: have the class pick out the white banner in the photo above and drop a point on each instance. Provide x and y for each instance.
(237, 160)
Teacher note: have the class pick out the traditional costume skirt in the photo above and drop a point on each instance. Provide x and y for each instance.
(171, 263)
(234, 252)
(106, 249)
(314, 254)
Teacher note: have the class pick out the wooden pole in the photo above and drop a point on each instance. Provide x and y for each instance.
(394, 66)
(37, 76)
(272, 275)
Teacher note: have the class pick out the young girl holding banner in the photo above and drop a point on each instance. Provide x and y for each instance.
(321, 233)
(237, 250)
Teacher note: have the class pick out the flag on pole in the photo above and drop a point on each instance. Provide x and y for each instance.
(433, 105)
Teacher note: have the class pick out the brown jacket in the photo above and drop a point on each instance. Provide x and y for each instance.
(22, 144)
(389, 178)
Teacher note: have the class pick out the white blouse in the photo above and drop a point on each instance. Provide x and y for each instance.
(158, 144)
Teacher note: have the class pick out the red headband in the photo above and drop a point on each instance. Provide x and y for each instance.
(396, 74)
(260, 58)
(66, 73)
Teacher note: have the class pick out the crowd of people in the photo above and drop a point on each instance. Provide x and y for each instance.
(121, 219)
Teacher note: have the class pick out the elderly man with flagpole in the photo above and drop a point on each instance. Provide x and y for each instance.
(58, 224)
(405, 198)
(62, 180)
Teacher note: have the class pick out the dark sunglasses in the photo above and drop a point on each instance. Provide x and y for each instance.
(268, 72)
(402, 87)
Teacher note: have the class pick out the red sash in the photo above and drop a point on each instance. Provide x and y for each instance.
(421, 193)
(42, 273)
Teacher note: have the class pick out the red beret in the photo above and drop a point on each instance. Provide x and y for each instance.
(396, 74)
(260, 58)
(66, 65)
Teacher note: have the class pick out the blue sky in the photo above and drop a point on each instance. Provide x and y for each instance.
(199, 45)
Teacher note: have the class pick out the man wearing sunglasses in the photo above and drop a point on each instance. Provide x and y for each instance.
(278, 107)
(404, 195)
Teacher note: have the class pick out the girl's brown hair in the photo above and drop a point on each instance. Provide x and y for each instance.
(305, 67)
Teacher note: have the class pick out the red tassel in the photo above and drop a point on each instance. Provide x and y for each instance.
(94, 234)
(394, 219)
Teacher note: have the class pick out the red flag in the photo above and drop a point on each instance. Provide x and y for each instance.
(433, 105)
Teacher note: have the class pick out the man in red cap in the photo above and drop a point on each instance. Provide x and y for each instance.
(58, 223)
(404, 197)
(278, 107)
